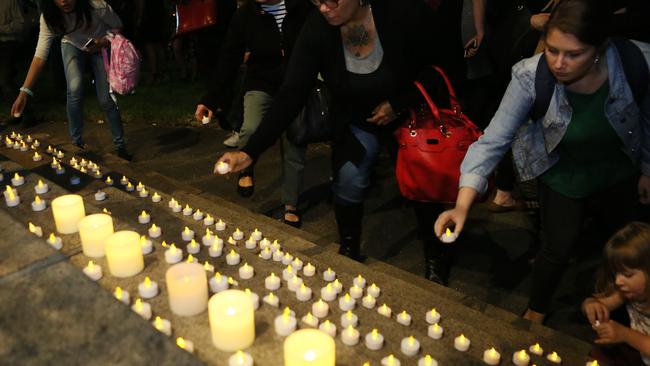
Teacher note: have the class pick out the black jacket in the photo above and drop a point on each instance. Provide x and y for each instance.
(407, 32)
(253, 30)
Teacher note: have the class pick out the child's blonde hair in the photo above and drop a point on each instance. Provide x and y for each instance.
(628, 249)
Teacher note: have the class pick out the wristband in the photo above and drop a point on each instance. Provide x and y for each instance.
(27, 91)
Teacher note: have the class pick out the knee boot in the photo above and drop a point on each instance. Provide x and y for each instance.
(436, 261)
(348, 220)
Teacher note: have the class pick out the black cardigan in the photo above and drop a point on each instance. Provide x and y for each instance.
(256, 31)
(406, 29)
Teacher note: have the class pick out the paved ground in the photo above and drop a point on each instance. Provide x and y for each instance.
(490, 262)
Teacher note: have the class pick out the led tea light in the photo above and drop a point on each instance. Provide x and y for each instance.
(93, 271)
(462, 343)
(55, 241)
(41, 188)
(148, 288)
(435, 331)
(320, 308)
(38, 204)
(142, 308)
(374, 340)
(410, 346)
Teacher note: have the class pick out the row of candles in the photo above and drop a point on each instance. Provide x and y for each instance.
(349, 335)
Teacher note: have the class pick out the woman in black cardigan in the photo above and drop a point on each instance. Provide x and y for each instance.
(368, 52)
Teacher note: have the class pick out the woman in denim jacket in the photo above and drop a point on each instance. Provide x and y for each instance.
(590, 153)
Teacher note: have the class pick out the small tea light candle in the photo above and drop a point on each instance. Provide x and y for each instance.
(433, 316)
(220, 225)
(519, 358)
(265, 243)
(349, 319)
(461, 343)
(93, 271)
(303, 293)
(193, 247)
(346, 302)
(23, 146)
(448, 237)
(60, 154)
(309, 270)
(36, 143)
(37, 156)
(277, 255)
(11, 197)
(146, 245)
(368, 302)
(271, 300)
(208, 267)
(144, 217)
(329, 275)
(187, 211)
(124, 181)
(356, 292)
(173, 255)
(187, 234)
(288, 273)
(54, 241)
(198, 215)
(208, 238)
(129, 187)
(359, 281)
(232, 241)
(310, 321)
(49, 149)
(122, 295)
(164, 326)
(232, 258)
(143, 193)
(139, 187)
(285, 324)
(320, 308)
(216, 249)
(205, 120)
(287, 259)
(266, 254)
(404, 318)
(536, 349)
(297, 264)
(350, 336)
(218, 283)
(191, 259)
(240, 358)
(155, 198)
(338, 286)
(148, 288)
(385, 310)
(246, 272)
(17, 180)
(100, 195)
(38, 204)
(154, 231)
(554, 358)
(41, 188)
(208, 220)
(185, 344)
(176, 208)
(36, 230)
(294, 283)
(435, 331)
(142, 308)
(492, 357)
(250, 243)
(374, 340)
(237, 234)
(427, 361)
(272, 282)
(410, 346)
(373, 290)
(223, 168)
(328, 328)
(390, 360)
(108, 181)
(256, 235)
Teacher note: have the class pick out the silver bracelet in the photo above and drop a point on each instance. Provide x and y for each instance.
(27, 91)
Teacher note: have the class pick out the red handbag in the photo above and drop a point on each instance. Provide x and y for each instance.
(432, 145)
(192, 15)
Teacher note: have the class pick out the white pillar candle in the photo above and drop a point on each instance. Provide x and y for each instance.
(256, 235)
(410, 346)
(404, 318)
(238, 234)
(193, 247)
(338, 286)
(218, 283)
(384, 310)
(320, 308)
(328, 328)
(154, 231)
(246, 272)
(368, 302)
(185, 344)
(433, 316)
(17, 180)
(536, 349)
(462, 343)
(216, 249)
(271, 300)
(144, 217)
(287, 259)
(122, 295)
(233, 258)
(187, 234)
(435, 331)
(67, 211)
(220, 225)
(155, 198)
(124, 254)
(350, 336)
(294, 283)
(173, 255)
(349, 319)
(284, 324)
(148, 288)
(142, 308)
(266, 254)
(309, 346)
(554, 358)
(390, 360)
(198, 215)
(310, 320)
(309, 270)
(240, 359)
(164, 326)
(55, 241)
(303, 293)
(356, 292)
(100, 195)
(38, 204)
(448, 237)
(41, 188)
(232, 321)
(329, 275)
(346, 302)
(93, 271)
(94, 230)
(187, 286)
(328, 293)
(146, 245)
(519, 358)
(11, 197)
(374, 340)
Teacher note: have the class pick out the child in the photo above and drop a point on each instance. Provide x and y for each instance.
(624, 281)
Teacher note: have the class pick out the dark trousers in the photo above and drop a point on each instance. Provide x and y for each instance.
(426, 214)
(562, 219)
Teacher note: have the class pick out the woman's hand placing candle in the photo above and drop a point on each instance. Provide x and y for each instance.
(237, 160)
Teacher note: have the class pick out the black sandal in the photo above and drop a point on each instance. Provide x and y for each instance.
(295, 224)
(245, 191)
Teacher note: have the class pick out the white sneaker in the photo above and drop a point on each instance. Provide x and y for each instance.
(232, 139)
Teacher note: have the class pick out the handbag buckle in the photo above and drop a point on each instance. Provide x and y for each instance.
(413, 133)
(444, 131)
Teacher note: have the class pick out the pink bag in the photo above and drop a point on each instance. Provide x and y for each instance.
(123, 69)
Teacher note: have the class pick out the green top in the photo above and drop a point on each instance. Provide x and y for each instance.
(590, 152)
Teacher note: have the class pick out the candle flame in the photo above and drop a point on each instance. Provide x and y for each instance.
(187, 207)
(412, 341)
(158, 323)
(302, 287)
(51, 238)
(554, 356)
(16, 176)
(436, 327)
(248, 291)
(403, 314)
(349, 314)
(138, 305)
(286, 311)
(271, 296)
(140, 185)
(536, 347)
(172, 247)
(231, 281)
(10, 193)
(147, 281)
(143, 214)
(129, 185)
(522, 354)
(190, 259)
(91, 265)
(32, 227)
(232, 253)
(329, 270)
(37, 199)
(36, 155)
(186, 230)
(309, 316)
(428, 360)
(180, 342)
(375, 333)
(347, 297)
(240, 356)
(108, 180)
(462, 337)
(156, 195)
(118, 293)
(448, 233)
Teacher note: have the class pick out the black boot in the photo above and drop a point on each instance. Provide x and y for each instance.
(348, 220)
(436, 254)
(436, 268)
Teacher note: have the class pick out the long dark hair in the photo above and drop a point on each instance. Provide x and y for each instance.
(54, 16)
(590, 21)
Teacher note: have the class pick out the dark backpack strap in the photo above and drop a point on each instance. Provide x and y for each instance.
(634, 66)
(544, 87)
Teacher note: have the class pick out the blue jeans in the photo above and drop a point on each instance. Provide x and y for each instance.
(74, 64)
(351, 180)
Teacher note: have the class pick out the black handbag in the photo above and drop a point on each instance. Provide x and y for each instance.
(313, 122)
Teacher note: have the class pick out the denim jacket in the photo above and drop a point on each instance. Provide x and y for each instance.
(534, 142)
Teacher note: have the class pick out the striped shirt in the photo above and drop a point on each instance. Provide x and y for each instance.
(279, 11)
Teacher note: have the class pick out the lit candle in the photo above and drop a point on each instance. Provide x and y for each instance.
(390, 360)
(100, 195)
(350, 336)
(129, 187)
(294, 283)
(328, 293)
(448, 237)
(237, 234)
(36, 143)
(309, 270)
(346, 302)
(554, 357)
(277, 255)
(143, 193)
(55, 241)
(461, 343)
(41, 188)
(60, 154)
(435, 331)
(232, 321)
(356, 292)
(193, 247)
(11, 197)
(427, 361)
(240, 359)
(38, 204)
(287, 258)
(146, 245)
(144, 217)
(410, 346)
(374, 340)
(155, 198)
(124, 181)
(218, 283)
(296, 264)
(67, 211)
(36, 230)
(206, 120)
(256, 235)
(349, 319)
(246, 272)
(142, 308)
(232, 258)
(329, 275)
(17, 180)
(271, 300)
(208, 220)
(536, 349)
(303, 293)
(185, 344)
(191, 259)
(373, 290)
(384, 310)
(148, 288)
(368, 302)
(519, 358)
(404, 318)
(433, 316)
(124, 254)
(93, 231)
(266, 254)
(164, 326)
(328, 328)
(208, 238)
(139, 187)
(492, 357)
(250, 243)
(265, 243)
(338, 286)
(232, 241)
(223, 168)
(216, 248)
(122, 295)
(320, 308)
(93, 271)
(108, 181)
(208, 267)
(220, 225)
(59, 169)
(198, 215)
(23, 146)
(288, 273)
(188, 289)
(285, 323)
(37, 156)
(49, 149)
(592, 363)
(177, 207)
(154, 231)
(187, 234)
(173, 254)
